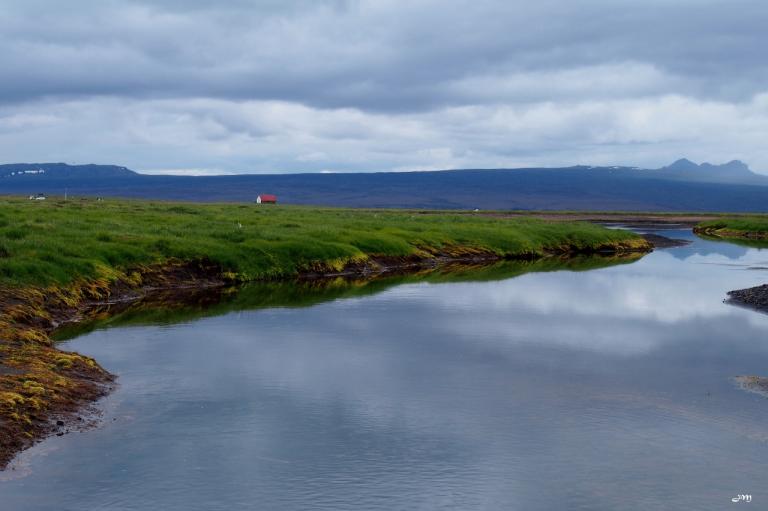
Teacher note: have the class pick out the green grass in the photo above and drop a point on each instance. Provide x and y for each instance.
(57, 242)
(751, 231)
(747, 224)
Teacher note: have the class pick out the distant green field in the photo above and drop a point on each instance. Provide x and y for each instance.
(56, 242)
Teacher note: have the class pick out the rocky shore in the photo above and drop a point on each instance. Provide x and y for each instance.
(753, 297)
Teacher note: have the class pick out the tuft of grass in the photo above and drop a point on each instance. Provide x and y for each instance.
(16, 234)
(85, 239)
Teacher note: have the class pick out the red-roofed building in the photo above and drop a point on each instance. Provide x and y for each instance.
(266, 199)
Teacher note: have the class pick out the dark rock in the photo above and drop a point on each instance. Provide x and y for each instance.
(754, 297)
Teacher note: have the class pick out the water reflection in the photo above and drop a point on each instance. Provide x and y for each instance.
(601, 390)
(169, 307)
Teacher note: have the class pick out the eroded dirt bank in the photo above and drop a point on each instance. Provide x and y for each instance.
(44, 390)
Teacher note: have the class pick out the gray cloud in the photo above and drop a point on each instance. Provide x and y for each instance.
(384, 84)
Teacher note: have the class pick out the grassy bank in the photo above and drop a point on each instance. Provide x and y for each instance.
(753, 227)
(56, 242)
(58, 259)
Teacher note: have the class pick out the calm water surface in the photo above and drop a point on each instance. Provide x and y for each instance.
(606, 389)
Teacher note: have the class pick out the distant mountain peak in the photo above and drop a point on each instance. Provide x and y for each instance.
(684, 164)
(737, 165)
(735, 171)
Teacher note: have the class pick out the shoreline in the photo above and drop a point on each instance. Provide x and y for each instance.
(45, 391)
(752, 298)
(755, 298)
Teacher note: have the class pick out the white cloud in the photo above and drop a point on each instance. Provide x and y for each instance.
(232, 136)
(381, 85)
(607, 81)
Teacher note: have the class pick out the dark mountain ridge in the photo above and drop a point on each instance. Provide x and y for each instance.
(18, 171)
(733, 172)
(576, 188)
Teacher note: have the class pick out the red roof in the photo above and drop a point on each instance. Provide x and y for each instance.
(268, 198)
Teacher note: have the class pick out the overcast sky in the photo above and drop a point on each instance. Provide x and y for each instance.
(283, 86)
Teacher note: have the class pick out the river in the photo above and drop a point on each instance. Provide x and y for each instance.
(604, 389)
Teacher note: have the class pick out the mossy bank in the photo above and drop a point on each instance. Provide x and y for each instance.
(59, 259)
(745, 228)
